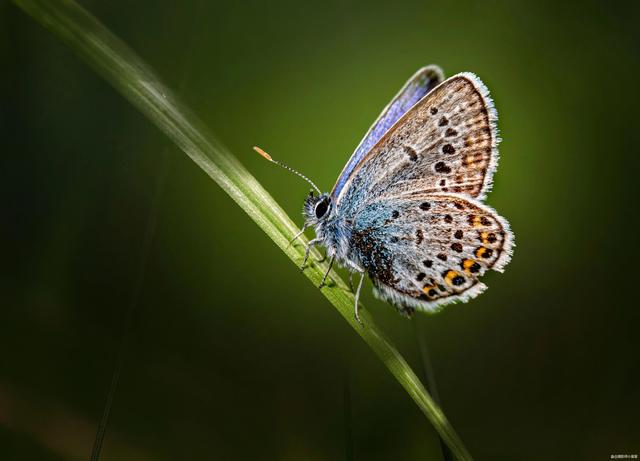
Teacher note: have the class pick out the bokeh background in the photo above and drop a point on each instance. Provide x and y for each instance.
(232, 353)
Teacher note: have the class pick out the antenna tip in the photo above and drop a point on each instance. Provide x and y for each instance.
(263, 153)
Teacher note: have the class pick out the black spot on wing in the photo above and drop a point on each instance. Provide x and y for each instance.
(442, 167)
(448, 149)
(450, 132)
(411, 152)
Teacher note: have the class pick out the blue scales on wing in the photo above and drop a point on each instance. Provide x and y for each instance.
(413, 91)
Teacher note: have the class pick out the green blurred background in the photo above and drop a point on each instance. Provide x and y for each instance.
(232, 353)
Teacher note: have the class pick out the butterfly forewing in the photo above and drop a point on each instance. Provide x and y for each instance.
(445, 143)
(413, 91)
(429, 250)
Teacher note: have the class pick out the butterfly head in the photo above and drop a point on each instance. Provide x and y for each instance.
(317, 208)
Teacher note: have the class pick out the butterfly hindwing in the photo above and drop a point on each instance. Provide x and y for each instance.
(413, 91)
(428, 250)
(446, 143)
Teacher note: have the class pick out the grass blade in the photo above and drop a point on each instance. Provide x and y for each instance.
(130, 76)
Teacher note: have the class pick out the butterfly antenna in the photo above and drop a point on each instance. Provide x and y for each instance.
(268, 157)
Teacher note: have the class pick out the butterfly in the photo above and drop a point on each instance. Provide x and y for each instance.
(408, 208)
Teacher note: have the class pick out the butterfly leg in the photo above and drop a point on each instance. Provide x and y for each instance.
(297, 236)
(358, 298)
(307, 250)
(351, 281)
(324, 279)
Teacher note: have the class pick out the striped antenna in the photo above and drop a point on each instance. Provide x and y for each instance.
(268, 157)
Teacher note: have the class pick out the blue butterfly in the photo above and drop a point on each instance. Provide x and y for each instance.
(408, 207)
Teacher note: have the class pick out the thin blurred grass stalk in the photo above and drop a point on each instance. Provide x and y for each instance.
(129, 75)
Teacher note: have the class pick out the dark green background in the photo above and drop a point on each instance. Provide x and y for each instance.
(232, 353)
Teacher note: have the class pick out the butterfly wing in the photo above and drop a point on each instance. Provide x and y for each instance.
(413, 91)
(430, 249)
(447, 142)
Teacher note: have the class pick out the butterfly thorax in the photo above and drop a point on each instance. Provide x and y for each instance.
(332, 231)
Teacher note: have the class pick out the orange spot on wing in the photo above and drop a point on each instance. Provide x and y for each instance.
(430, 291)
(470, 266)
(449, 276)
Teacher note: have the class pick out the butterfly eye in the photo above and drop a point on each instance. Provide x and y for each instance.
(321, 208)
